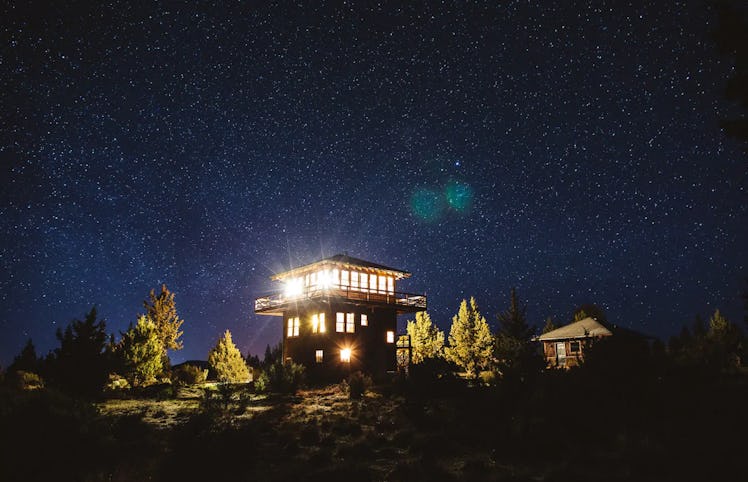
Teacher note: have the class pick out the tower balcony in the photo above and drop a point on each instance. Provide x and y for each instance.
(276, 304)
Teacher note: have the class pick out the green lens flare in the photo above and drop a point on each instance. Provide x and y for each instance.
(459, 196)
(426, 204)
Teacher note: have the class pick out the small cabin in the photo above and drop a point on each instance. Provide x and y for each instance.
(339, 315)
(565, 347)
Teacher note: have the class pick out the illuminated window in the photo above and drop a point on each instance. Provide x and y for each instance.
(315, 323)
(354, 280)
(364, 320)
(344, 278)
(292, 327)
(313, 280)
(345, 355)
(318, 356)
(364, 282)
(323, 279)
(574, 347)
(382, 284)
(390, 285)
(339, 322)
(390, 337)
(335, 278)
(350, 325)
(322, 327)
(373, 282)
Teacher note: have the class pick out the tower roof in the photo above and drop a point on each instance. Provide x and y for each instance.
(345, 262)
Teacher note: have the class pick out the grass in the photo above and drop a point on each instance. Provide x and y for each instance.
(476, 433)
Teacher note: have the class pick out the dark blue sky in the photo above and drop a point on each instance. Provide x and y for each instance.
(570, 150)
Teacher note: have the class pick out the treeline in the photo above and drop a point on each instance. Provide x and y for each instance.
(89, 361)
(511, 350)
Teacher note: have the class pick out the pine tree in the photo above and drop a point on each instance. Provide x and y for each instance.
(549, 326)
(723, 342)
(426, 340)
(227, 362)
(515, 352)
(141, 351)
(513, 322)
(162, 311)
(79, 364)
(27, 360)
(579, 315)
(470, 340)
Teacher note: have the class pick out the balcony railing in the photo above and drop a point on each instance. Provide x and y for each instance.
(404, 300)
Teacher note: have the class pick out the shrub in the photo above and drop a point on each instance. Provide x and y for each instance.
(281, 377)
(357, 384)
(189, 375)
(24, 380)
(116, 383)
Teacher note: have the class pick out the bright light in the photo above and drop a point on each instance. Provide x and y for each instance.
(390, 337)
(345, 355)
(324, 279)
(293, 287)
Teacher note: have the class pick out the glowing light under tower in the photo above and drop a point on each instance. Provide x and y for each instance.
(345, 355)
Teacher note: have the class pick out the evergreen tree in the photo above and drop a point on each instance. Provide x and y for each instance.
(27, 360)
(227, 362)
(426, 340)
(470, 340)
(272, 355)
(724, 342)
(141, 352)
(515, 352)
(579, 315)
(162, 311)
(79, 364)
(590, 310)
(513, 322)
(549, 325)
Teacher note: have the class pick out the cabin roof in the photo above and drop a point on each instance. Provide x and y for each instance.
(586, 328)
(342, 261)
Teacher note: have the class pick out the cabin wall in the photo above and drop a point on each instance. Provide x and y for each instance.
(574, 352)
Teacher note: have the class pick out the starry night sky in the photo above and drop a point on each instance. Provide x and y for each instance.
(572, 151)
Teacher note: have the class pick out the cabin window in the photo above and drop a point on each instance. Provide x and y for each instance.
(382, 284)
(344, 278)
(293, 327)
(354, 280)
(345, 355)
(350, 325)
(364, 320)
(390, 285)
(390, 337)
(322, 327)
(574, 347)
(318, 356)
(339, 322)
(313, 280)
(335, 278)
(373, 282)
(364, 282)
